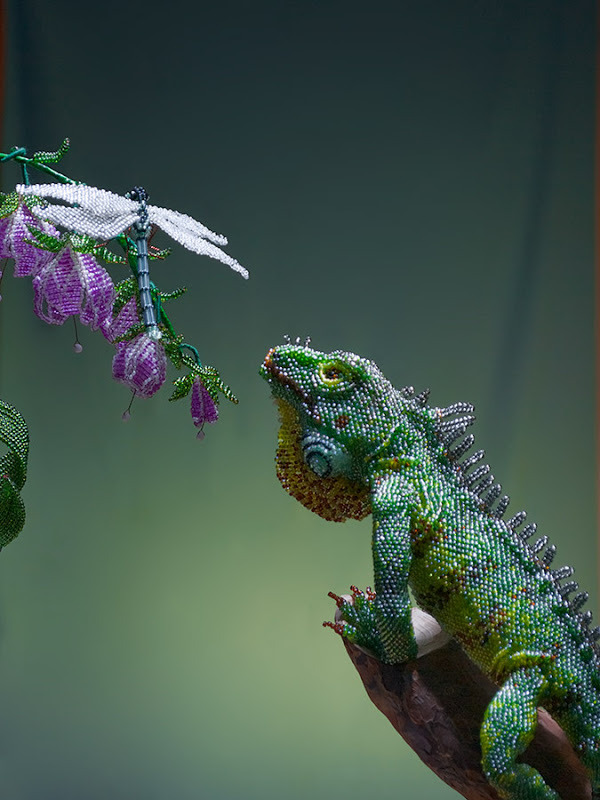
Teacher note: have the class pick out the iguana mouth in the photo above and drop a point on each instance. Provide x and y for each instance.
(285, 380)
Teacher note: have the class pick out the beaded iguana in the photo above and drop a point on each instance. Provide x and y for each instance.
(349, 445)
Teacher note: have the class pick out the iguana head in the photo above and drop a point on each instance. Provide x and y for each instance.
(336, 409)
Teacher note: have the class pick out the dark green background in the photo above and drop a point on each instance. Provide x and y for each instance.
(411, 181)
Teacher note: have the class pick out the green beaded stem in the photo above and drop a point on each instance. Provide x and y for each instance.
(40, 161)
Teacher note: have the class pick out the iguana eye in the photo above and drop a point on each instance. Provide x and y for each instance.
(331, 374)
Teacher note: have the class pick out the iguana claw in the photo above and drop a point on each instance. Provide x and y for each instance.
(338, 627)
(339, 601)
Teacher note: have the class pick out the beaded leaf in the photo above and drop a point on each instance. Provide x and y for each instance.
(13, 471)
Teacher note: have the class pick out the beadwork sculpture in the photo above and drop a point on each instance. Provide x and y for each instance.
(68, 281)
(350, 444)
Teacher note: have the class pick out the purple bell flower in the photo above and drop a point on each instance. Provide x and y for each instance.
(71, 284)
(141, 364)
(203, 407)
(13, 232)
(125, 319)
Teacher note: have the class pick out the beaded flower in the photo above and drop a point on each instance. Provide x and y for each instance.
(126, 318)
(140, 364)
(15, 236)
(70, 284)
(203, 407)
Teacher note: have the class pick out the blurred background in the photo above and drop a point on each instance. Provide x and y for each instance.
(412, 181)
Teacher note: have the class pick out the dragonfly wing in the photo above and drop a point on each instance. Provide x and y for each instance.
(103, 215)
(100, 201)
(186, 223)
(83, 221)
(93, 212)
(197, 244)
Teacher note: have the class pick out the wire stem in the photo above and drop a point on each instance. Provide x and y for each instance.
(19, 154)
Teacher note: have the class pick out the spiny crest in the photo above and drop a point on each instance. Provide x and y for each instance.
(451, 423)
(418, 400)
(477, 478)
(449, 430)
(544, 554)
(288, 340)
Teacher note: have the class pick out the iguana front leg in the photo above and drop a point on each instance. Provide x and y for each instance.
(381, 621)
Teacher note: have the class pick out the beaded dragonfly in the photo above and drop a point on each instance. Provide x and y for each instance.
(104, 215)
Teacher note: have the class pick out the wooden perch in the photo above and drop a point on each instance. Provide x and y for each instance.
(437, 702)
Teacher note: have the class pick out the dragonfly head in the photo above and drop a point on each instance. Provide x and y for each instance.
(138, 194)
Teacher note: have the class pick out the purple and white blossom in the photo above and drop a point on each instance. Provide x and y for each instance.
(70, 284)
(203, 407)
(14, 230)
(141, 364)
(127, 317)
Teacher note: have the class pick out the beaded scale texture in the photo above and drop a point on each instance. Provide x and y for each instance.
(351, 444)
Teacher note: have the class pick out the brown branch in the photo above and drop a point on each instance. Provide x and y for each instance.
(437, 702)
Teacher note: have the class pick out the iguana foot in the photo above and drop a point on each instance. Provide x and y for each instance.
(357, 620)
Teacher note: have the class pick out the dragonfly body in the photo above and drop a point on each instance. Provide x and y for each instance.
(142, 228)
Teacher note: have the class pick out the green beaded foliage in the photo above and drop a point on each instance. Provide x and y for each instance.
(13, 471)
(439, 527)
(8, 204)
(210, 379)
(51, 156)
